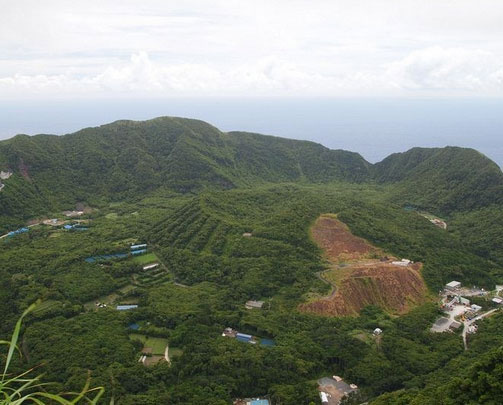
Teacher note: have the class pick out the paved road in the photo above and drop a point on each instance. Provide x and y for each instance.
(166, 356)
(468, 323)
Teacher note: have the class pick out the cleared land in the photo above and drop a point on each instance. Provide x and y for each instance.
(158, 345)
(146, 258)
(361, 274)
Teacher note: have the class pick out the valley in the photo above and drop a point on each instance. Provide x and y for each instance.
(232, 218)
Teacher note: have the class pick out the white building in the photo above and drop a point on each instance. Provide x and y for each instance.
(453, 285)
(497, 300)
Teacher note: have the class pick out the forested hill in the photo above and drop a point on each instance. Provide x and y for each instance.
(127, 159)
(444, 179)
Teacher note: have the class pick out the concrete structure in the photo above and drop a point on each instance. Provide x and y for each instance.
(150, 266)
(335, 389)
(5, 175)
(497, 300)
(254, 304)
(476, 308)
(377, 331)
(402, 263)
(453, 285)
(455, 325)
(464, 301)
(324, 397)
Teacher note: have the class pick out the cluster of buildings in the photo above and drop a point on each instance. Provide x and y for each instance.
(334, 389)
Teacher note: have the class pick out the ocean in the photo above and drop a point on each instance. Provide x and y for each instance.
(374, 128)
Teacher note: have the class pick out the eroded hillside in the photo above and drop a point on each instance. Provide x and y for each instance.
(361, 274)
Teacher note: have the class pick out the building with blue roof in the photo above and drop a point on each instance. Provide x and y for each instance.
(126, 307)
(259, 402)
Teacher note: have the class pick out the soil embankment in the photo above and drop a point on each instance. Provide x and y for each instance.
(362, 274)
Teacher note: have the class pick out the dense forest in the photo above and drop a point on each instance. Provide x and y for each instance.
(226, 216)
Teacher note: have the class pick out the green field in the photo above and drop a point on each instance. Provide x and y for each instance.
(144, 259)
(158, 345)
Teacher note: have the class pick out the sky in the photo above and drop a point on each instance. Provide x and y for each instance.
(352, 48)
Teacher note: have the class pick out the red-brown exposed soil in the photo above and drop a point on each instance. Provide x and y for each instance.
(369, 281)
(337, 241)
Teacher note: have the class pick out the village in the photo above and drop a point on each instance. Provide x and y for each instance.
(460, 313)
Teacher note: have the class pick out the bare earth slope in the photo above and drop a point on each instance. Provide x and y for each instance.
(362, 275)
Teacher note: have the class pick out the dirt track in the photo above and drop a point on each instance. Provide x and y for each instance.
(363, 280)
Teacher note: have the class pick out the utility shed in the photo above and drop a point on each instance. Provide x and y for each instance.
(254, 304)
(453, 285)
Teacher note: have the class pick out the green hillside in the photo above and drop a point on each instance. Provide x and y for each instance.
(446, 180)
(126, 159)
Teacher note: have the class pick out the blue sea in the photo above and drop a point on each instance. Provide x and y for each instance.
(373, 127)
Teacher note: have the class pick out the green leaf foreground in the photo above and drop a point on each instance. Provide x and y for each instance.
(20, 389)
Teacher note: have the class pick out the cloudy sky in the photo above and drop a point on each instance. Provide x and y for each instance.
(338, 48)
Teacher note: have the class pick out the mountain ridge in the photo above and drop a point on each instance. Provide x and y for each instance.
(127, 158)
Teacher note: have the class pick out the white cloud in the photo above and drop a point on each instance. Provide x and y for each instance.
(435, 68)
(196, 47)
(448, 69)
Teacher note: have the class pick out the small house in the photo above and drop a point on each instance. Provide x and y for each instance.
(476, 308)
(497, 300)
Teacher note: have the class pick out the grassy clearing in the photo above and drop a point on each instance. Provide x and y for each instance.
(144, 259)
(158, 345)
(112, 215)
